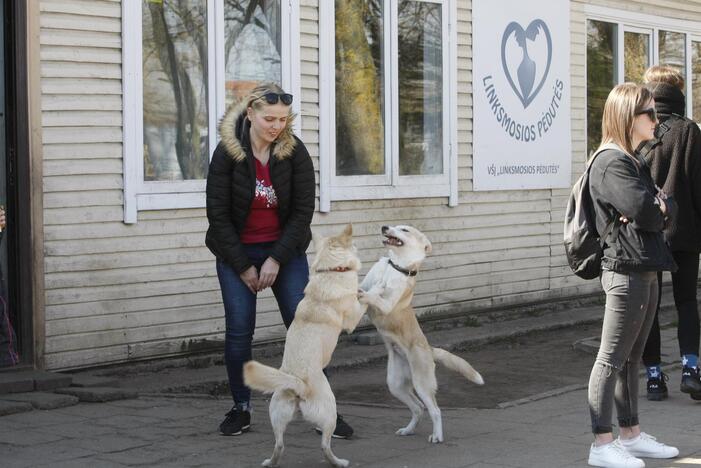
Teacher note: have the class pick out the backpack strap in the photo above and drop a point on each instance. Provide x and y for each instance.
(613, 226)
(660, 131)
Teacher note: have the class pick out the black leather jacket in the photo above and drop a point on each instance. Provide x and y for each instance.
(620, 187)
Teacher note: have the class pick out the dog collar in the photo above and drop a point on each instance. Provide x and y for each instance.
(335, 269)
(403, 270)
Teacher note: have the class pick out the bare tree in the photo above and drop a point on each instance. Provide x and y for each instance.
(190, 144)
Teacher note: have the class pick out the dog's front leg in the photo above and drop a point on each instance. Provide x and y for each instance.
(352, 318)
(382, 299)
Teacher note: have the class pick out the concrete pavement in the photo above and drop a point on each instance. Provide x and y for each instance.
(166, 429)
(182, 432)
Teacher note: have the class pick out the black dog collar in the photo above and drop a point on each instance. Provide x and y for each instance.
(403, 270)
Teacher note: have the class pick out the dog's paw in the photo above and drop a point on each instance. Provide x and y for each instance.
(267, 462)
(404, 431)
(343, 463)
(435, 439)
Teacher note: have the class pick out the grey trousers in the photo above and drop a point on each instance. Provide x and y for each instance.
(630, 309)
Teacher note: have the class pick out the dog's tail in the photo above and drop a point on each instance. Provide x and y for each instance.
(268, 379)
(457, 364)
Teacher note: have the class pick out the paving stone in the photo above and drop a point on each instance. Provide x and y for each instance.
(23, 437)
(12, 407)
(93, 381)
(16, 382)
(50, 380)
(370, 338)
(45, 401)
(98, 394)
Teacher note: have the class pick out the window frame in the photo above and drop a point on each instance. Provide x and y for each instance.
(642, 22)
(141, 195)
(390, 184)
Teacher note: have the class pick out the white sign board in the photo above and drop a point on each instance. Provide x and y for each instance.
(521, 94)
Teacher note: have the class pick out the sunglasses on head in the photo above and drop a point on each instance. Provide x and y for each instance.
(273, 98)
(650, 111)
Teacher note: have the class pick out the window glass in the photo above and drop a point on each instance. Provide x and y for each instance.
(636, 55)
(175, 90)
(252, 41)
(420, 88)
(601, 37)
(696, 80)
(360, 107)
(672, 47)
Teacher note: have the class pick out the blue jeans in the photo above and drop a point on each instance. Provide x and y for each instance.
(631, 300)
(240, 309)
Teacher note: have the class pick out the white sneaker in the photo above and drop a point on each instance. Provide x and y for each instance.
(613, 455)
(647, 446)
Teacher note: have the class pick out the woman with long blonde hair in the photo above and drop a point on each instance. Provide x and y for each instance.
(623, 192)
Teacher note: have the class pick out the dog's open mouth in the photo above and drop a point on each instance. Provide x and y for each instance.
(391, 240)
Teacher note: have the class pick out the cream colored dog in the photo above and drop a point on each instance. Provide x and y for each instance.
(411, 370)
(330, 305)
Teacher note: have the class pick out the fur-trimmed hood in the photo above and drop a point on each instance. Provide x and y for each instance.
(234, 125)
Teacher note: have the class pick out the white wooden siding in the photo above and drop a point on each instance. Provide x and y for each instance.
(117, 292)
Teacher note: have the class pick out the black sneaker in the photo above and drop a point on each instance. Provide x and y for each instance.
(237, 422)
(342, 431)
(657, 388)
(695, 396)
(691, 382)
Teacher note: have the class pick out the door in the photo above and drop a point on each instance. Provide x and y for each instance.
(16, 334)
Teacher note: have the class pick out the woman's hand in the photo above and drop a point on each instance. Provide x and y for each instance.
(250, 279)
(268, 273)
(661, 197)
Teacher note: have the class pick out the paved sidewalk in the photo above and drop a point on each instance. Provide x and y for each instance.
(181, 432)
(166, 429)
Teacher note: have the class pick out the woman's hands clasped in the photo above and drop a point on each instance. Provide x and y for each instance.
(268, 274)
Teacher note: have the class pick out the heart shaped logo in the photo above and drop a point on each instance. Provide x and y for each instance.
(526, 55)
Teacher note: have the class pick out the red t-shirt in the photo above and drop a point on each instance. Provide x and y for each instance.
(262, 224)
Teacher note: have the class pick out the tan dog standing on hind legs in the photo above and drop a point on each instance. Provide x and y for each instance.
(330, 305)
(411, 371)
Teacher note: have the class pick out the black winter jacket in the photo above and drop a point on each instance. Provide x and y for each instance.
(676, 167)
(617, 186)
(231, 184)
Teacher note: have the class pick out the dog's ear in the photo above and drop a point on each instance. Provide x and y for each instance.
(346, 237)
(427, 244)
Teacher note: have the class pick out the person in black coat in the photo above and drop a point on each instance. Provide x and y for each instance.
(260, 203)
(622, 191)
(676, 167)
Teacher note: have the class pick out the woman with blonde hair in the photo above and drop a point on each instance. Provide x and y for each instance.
(623, 192)
(260, 203)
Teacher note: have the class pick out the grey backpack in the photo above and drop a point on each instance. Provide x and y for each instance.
(583, 245)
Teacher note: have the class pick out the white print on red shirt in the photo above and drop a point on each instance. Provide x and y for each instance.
(267, 193)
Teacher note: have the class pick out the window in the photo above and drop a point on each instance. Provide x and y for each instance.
(388, 124)
(696, 79)
(185, 61)
(636, 55)
(622, 45)
(600, 76)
